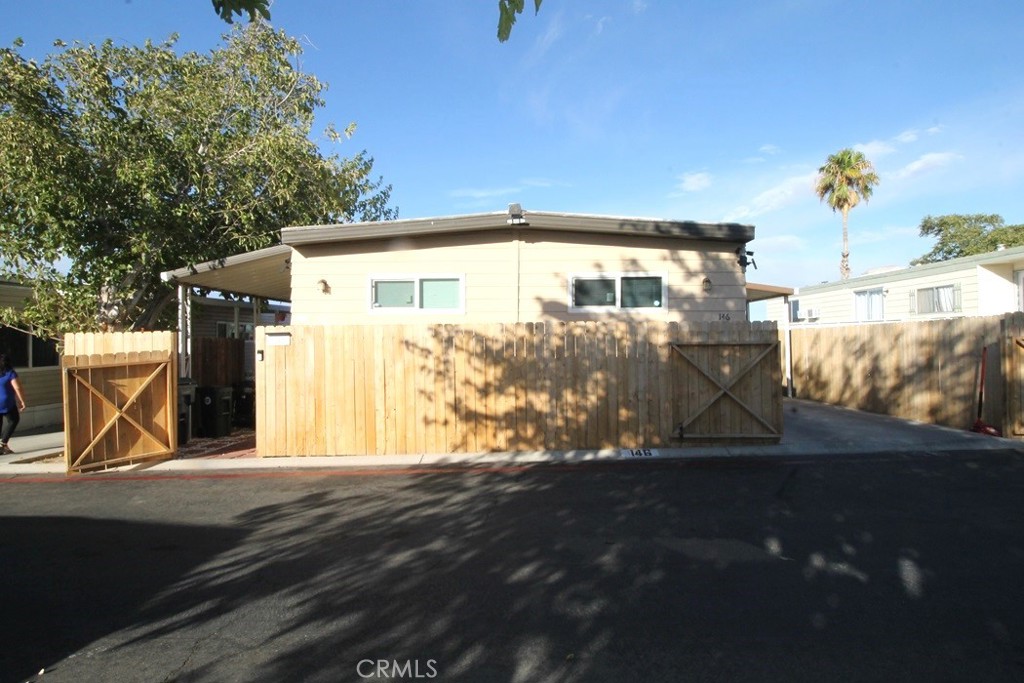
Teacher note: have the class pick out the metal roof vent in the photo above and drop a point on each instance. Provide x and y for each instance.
(515, 215)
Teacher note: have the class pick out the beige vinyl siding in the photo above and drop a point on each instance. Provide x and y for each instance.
(549, 259)
(486, 262)
(13, 296)
(777, 309)
(497, 267)
(898, 300)
(41, 385)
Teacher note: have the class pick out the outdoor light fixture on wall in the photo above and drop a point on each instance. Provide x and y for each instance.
(706, 284)
(324, 287)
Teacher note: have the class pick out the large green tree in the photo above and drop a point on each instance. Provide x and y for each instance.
(959, 235)
(846, 178)
(119, 162)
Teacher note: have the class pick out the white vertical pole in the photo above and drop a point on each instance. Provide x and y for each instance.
(185, 331)
(788, 341)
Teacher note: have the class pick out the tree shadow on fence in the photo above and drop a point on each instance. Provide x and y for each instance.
(926, 371)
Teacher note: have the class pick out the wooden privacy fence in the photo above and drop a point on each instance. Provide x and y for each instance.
(218, 361)
(526, 386)
(120, 398)
(1013, 370)
(926, 371)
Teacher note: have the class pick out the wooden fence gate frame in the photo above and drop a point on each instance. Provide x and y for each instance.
(1013, 369)
(724, 388)
(119, 407)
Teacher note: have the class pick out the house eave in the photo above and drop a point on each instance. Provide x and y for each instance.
(534, 220)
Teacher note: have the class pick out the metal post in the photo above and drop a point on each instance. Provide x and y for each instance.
(185, 331)
(787, 333)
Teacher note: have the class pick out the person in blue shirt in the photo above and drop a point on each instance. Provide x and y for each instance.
(12, 402)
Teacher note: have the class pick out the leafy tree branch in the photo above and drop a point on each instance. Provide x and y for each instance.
(119, 162)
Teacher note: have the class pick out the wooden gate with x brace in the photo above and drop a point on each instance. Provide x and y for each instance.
(120, 403)
(733, 401)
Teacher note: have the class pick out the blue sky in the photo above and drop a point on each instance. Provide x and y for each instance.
(682, 109)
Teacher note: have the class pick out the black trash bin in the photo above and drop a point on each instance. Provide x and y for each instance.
(245, 404)
(215, 408)
(186, 410)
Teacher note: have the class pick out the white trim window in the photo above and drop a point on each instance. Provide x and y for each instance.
(794, 310)
(607, 291)
(869, 305)
(227, 329)
(425, 293)
(26, 350)
(933, 300)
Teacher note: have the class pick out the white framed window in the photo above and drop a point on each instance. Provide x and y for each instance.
(434, 292)
(243, 331)
(26, 350)
(869, 305)
(590, 291)
(794, 310)
(930, 300)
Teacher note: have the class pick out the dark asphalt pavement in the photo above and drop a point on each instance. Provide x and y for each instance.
(894, 567)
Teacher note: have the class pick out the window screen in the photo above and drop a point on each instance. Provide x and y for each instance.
(439, 293)
(593, 292)
(869, 305)
(641, 292)
(394, 294)
(15, 344)
(937, 300)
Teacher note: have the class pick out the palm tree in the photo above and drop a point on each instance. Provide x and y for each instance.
(845, 179)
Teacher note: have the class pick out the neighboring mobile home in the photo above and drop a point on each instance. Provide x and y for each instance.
(984, 284)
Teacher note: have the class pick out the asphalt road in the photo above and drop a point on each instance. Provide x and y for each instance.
(883, 567)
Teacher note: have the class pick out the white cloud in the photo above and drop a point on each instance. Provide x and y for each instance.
(861, 237)
(768, 149)
(694, 182)
(934, 130)
(907, 136)
(926, 162)
(639, 6)
(875, 148)
(776, 244)
(483, 193)
(787, 192)
(544, 41)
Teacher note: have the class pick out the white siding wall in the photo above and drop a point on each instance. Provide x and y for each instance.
(496, 267)
(487, 264)
(997, 290)
(839, 305)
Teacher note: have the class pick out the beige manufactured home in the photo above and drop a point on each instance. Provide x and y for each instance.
(506, 267)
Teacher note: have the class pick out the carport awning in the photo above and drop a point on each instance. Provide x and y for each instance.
(759, 292)
(263, 273)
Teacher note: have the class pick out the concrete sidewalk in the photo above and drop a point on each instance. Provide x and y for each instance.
(810, 429)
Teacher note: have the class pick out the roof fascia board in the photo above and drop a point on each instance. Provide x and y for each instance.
(728, 232)
(237, 260)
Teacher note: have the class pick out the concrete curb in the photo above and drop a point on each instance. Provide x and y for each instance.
(812, 430)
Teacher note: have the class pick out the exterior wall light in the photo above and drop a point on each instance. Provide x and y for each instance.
(706, 284)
